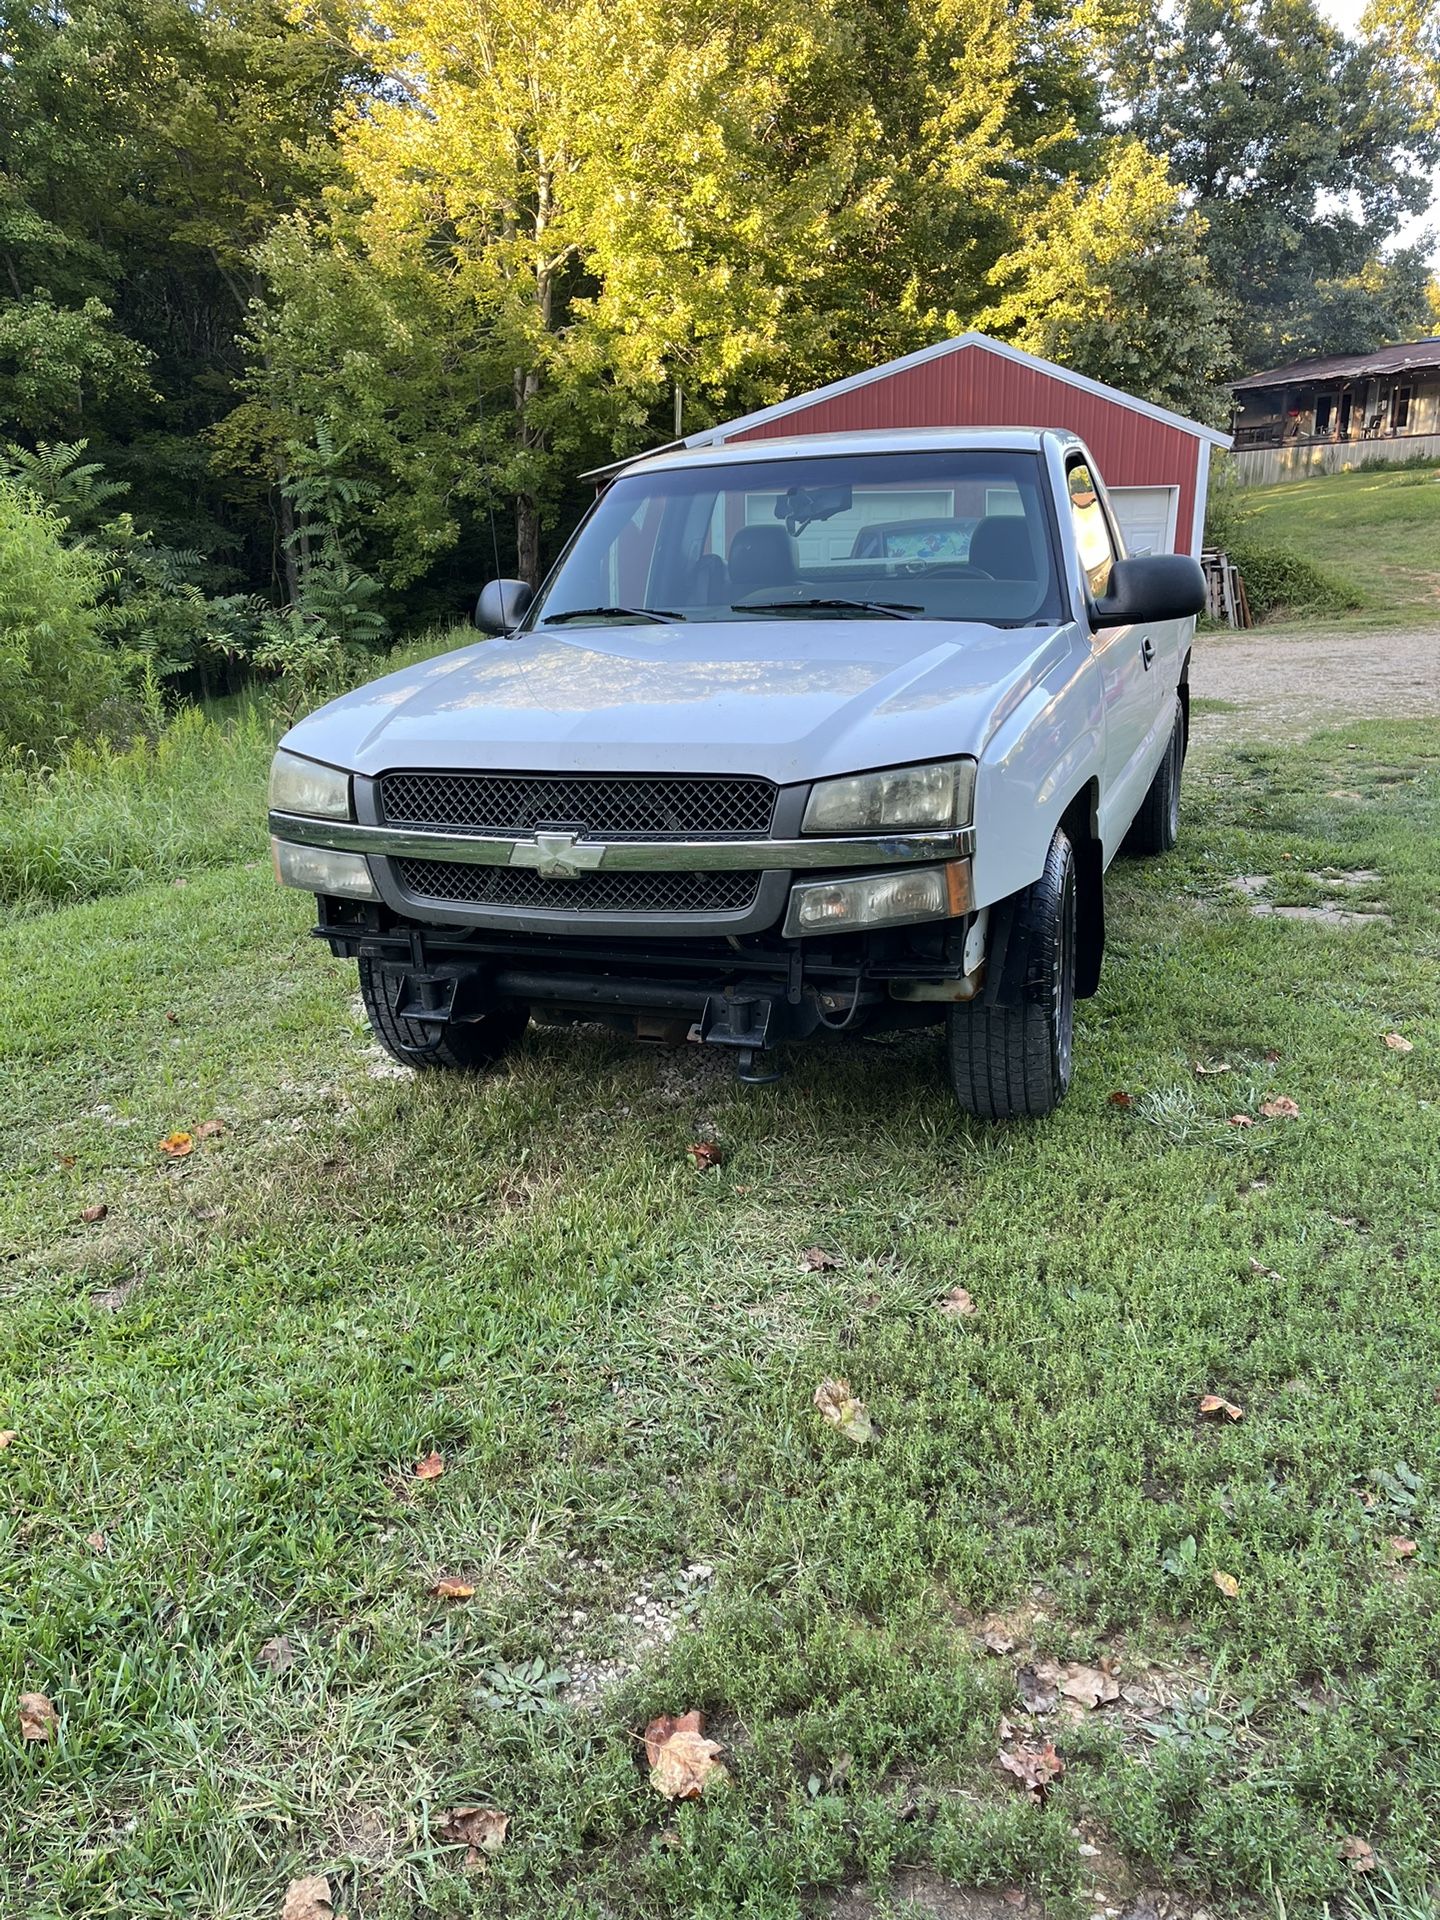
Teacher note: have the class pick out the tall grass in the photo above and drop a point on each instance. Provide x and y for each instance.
(104, 818)
(188, 794)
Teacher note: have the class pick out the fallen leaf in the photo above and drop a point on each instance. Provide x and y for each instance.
(1034, 1767)
(1240, 1120)
(1089, 1686)
(817, 1260)
(996, 1640)
(430, 1468)
(208, 1129)
(705, 1154)
(682, 1761)
(1037, 1686)
(449, 1587)
(1204, 1072)
(177, 1145)
(1282, 1107)
(7, 1434)
(841, 1408)
(92, 1215)
(1358, 1853)
(1122, 1099)
(480, 1830)
(277, 1654)
(308, 1899)
(1400, 1548)
(1397, 1043)
(97, 1542)
(38, 1718)
(1212, 1403)
(1227, 1583)
(957, 1304)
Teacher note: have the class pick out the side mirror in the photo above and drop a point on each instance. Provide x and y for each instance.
(1152, 586)
(503, 605)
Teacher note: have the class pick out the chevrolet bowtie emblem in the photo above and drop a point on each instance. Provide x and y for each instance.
(558, 856)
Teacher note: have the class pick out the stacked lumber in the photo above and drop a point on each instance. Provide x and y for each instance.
(1224, 589)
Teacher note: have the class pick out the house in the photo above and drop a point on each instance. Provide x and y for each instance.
(1156, 463)
(1322, 416)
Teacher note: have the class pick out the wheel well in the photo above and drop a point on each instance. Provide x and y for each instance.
(1080, 821)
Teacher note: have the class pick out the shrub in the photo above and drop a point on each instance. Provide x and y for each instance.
(1279, 579)
(56, 673)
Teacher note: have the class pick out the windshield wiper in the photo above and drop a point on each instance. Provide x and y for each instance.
(892, 609)
(662, 616)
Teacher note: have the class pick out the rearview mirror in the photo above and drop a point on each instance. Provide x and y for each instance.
(798, 506)
(1152, 586)
(503, 605)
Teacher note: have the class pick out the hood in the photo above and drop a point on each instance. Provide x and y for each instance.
(789, 699)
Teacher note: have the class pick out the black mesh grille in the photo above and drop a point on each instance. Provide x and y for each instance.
(663, 807)
(456, 881)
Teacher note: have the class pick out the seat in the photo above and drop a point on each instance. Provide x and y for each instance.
(762, 558)
(1000, 546)
(711, 586)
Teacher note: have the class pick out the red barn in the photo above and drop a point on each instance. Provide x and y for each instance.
(1155, 463)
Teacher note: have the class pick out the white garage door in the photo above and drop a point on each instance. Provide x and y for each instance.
(1147, 517)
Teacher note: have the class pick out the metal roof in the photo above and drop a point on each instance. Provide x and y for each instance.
(889, 368)
(747, 423)
(1409, 356)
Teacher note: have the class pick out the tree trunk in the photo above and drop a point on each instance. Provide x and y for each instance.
(527, 537)
(285, 519)
(527, 506)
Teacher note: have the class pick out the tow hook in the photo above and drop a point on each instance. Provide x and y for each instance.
(757, 1069)
(744, 1023)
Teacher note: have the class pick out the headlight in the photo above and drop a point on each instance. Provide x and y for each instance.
(304, 786)
(939, 795)
(323, 870)
(895, 899)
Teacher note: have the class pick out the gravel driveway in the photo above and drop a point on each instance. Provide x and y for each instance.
(1280, 684)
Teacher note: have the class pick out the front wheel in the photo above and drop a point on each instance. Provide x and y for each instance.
(463, 1046)
(1014, 1062)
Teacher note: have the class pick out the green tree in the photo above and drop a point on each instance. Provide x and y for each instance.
(550, 215)
(1303, 150)
(1111, 280)
(146, 147)
(56, 674)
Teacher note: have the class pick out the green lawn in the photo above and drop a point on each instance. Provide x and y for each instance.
(219, 1393)
(1377, 530)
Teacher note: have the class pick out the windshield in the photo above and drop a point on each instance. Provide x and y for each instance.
(958, 534)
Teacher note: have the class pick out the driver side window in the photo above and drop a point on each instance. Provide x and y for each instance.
(1092, 530)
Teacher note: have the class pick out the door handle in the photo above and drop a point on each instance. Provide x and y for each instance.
(1147, 651)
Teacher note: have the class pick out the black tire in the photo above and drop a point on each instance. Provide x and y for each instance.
(1156, 827)
(463, 1046)
(1011, 1063)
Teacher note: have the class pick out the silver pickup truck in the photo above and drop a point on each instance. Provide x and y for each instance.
(801, 736)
